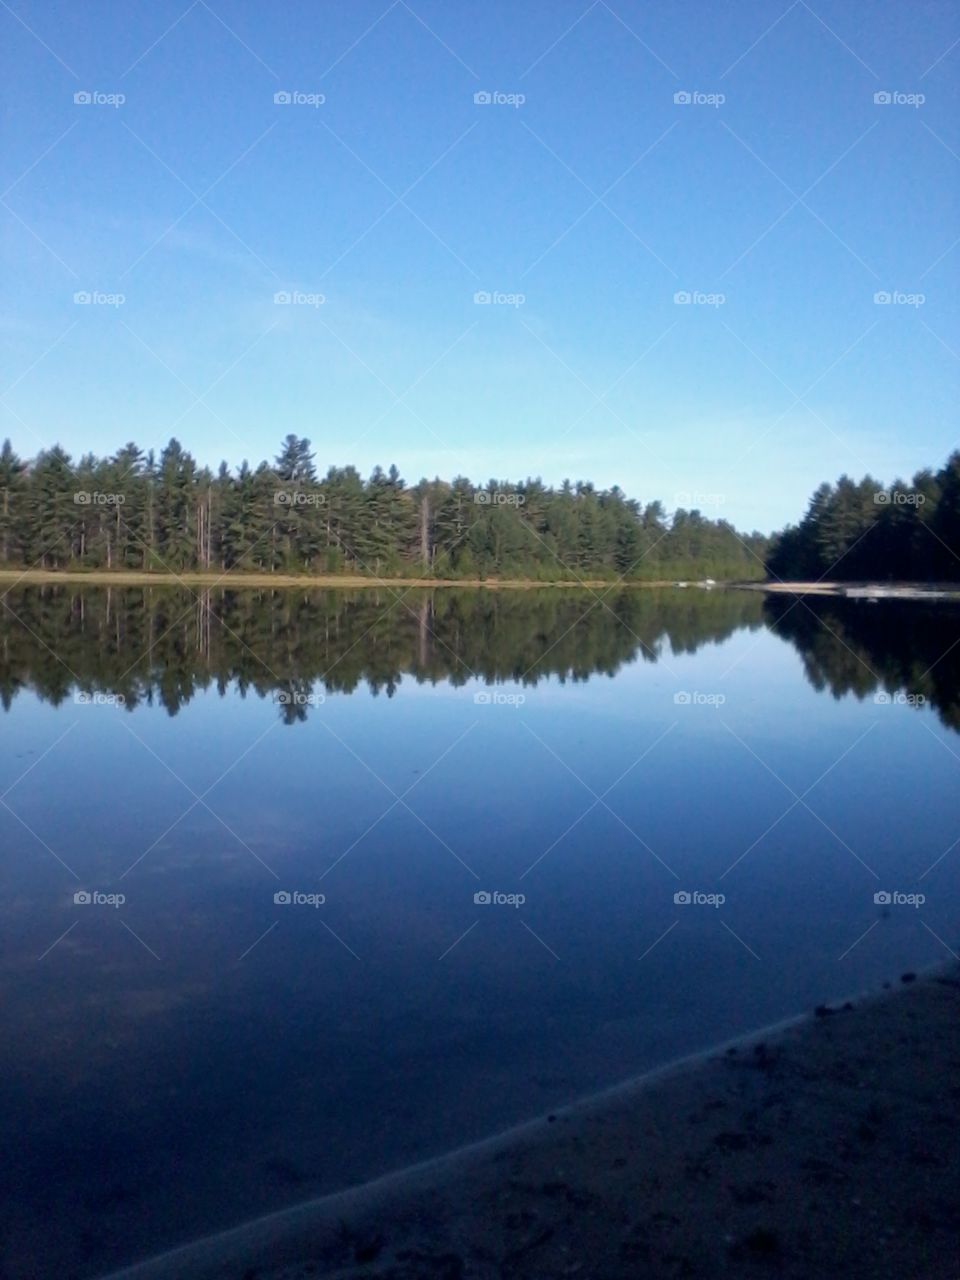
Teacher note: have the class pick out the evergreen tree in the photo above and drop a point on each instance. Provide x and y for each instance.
(11, 493)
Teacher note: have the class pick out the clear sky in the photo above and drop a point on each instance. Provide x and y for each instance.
(583, 197)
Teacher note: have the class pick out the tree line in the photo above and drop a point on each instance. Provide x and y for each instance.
(865, 530)
(139, 511)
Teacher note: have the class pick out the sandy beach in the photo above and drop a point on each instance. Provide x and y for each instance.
(825, 1146)
(887, 590)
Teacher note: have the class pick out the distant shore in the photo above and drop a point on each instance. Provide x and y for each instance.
(237, 580)
(861, 590)
(233, 579)
(825, 1145)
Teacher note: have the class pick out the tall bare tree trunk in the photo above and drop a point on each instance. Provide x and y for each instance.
(425, 530)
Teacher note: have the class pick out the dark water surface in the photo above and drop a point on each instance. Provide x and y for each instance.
(201, 1052)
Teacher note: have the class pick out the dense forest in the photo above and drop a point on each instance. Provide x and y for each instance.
(136, 511)
(140, 512)
(855, 531)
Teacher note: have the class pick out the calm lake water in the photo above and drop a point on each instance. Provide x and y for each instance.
(205, 1050)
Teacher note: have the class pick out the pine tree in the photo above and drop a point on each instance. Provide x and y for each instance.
(12, 489)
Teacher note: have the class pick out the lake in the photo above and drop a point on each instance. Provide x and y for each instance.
(300, 887)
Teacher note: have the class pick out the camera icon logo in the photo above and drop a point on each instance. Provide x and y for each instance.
(482, 298)
(81, 499)
(882, 898)
(282, 898)
(682, 98)
(482, 899)
(882, 298)
(681, 298)
(682, 699)
(82, 898)
(483, 698)
(482, 499)
(483, 98)
(882, 99)
(682, 898)
(282, 98)
(282, 298)
(881, 699)
(83, 98)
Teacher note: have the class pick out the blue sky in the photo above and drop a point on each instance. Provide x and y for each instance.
(583, 208)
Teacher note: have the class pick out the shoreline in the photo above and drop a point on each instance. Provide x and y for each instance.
(611, 1181)
(861, 590)
(232, 580)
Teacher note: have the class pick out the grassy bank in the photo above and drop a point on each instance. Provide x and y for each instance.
(133, 578)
